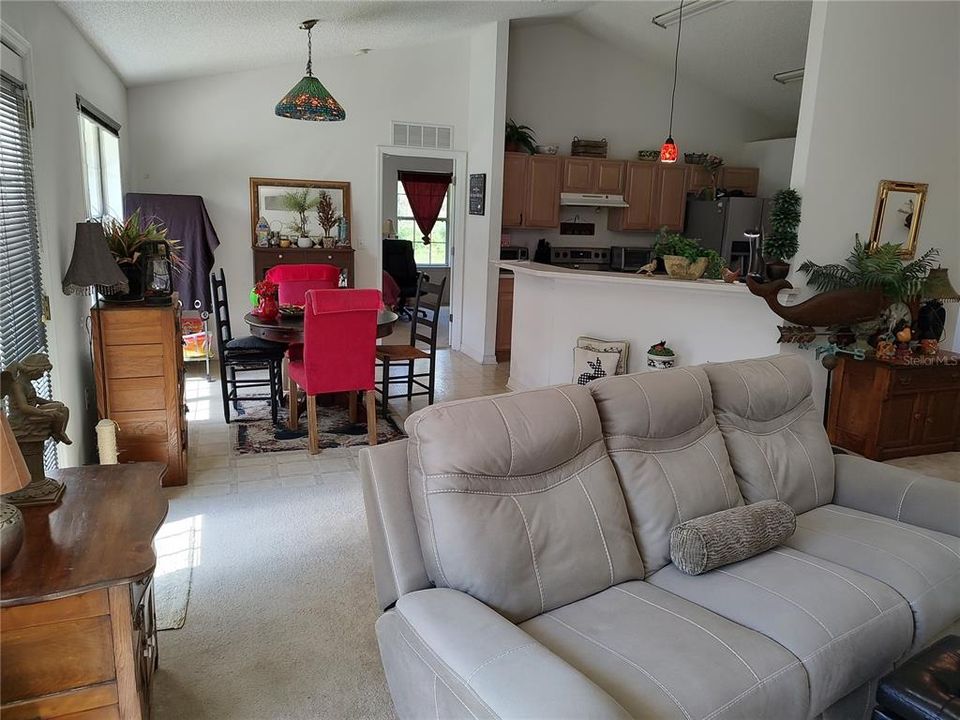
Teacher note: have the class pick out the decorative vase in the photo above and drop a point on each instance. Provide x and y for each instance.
(134, 275)
(777, 270)
(661, 362)
(268, 309)
(304, 242)
(681, 268)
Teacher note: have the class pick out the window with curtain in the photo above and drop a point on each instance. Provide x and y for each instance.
(100, 140)
(436, 252)
(22, 331)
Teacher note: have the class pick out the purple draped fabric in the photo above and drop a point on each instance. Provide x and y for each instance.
(187, 221)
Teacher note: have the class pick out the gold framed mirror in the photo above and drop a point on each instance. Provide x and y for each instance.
(896, 217)
(270, 203)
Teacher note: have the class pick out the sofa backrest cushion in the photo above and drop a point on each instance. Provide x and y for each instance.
(517, 502)
(773, 430)
(669, 454)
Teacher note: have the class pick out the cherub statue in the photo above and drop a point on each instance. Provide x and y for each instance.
(33, 418)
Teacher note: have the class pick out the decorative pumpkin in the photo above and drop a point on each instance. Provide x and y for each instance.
(904, 335)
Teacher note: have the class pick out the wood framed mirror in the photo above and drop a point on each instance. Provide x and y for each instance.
(896, 217)
(270, 200)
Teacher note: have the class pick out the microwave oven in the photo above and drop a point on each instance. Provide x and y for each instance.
(629, 259)
(514, 252)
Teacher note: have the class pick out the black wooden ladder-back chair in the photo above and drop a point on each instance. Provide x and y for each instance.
(424, 326)
(244, 355)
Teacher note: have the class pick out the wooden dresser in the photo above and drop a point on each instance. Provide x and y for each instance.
(266, 258)
(77, 630)
(138, 364)
(885, 410)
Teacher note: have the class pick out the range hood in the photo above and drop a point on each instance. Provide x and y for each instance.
(592, 200)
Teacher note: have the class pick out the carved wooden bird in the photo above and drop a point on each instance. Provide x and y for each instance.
(648, 268)
(730, 276)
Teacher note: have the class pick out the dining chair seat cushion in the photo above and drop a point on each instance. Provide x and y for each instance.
(254, 344)
(400, 352)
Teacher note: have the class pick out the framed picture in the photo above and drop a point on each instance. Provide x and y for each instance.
(300, 209)
(896, 216)
(478, 193)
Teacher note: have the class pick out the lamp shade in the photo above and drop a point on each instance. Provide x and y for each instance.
(937, 286)
(310, 100)
(93, 264)
(14, 474)
(669, 152)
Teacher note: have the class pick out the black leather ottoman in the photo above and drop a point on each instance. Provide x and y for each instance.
(926, 687)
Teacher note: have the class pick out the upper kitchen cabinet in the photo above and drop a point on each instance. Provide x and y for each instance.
(593, 175)
(671, 196)
(639, 187)
(744, 179)
(531, 191)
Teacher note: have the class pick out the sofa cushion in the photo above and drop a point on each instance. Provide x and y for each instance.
(517, 502)
(660, 656)
(669, 454)
(922, 565)
(773, 430)
(846, 628)
(728, 536)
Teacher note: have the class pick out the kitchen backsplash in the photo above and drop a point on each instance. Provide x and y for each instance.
(602, 237)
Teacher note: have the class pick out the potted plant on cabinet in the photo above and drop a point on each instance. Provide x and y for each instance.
(685, 259)
(782, 244)
(519, 138)
(327, 217)
(299, 203)
(126, 240)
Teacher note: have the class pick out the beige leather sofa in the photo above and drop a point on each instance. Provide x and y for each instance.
(522, 560)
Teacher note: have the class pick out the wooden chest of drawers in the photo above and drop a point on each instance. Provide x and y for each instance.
(886, 410)
(138, 364)
(77, 630)
(266, 258)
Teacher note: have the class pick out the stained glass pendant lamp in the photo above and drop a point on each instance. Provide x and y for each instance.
(669, 153)
(309, 99)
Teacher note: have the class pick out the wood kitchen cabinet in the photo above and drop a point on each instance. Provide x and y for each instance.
(504, 317)
(531, 191)
(593, 175)
(656, 195)
(885, 410)
(744, 179)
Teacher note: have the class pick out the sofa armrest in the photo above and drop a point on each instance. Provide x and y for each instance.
(897, 493)
(491, 666)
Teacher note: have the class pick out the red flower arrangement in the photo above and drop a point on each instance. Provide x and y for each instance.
(267, 309)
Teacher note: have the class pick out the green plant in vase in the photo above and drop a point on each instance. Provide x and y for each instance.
(782, 243)
(299, 202)
(685, 258)
(126, 239)
(520, 138)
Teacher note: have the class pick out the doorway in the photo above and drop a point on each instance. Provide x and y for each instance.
(441, 258)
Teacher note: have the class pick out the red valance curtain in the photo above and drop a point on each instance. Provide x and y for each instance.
(425, 193)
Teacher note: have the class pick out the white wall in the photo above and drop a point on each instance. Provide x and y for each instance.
(775, 160)
(63, 66)
(880, 101)
(487, 112)
(208, 136)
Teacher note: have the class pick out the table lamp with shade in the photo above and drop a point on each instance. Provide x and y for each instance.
(92, 264)
(932, 317)
(14, 476)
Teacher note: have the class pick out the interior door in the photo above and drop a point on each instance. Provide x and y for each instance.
(671, 199)
(543, 192)
(579, 175)
(514, 186)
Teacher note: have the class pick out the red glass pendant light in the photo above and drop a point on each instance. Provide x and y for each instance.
(669, 153)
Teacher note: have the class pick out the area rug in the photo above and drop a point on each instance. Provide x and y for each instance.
(178, 552)
(254, 433)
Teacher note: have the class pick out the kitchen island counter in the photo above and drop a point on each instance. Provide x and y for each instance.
(702, 320)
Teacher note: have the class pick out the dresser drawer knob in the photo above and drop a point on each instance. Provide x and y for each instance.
(279, 256)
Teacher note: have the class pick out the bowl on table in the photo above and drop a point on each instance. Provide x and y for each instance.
(291, 311)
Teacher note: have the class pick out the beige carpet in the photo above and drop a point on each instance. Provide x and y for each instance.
(282, 610)
(942, 465)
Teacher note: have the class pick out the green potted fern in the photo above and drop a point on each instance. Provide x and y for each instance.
(519, 138)
(782, 244)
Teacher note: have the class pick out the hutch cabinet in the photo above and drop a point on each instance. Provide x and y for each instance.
(266, 258)
(138, 366)
(885, 410)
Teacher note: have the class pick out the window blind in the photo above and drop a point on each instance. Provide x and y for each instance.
(22, 331)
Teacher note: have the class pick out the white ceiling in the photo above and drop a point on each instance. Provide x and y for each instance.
(734, 48)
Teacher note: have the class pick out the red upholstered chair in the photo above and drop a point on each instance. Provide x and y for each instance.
(339, 350)
(294, 280)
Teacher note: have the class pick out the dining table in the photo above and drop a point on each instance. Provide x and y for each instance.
(288, 329)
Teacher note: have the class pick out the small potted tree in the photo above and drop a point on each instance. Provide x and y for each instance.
(299, 203)
(782, 243)
(327, 217)
(519, 138)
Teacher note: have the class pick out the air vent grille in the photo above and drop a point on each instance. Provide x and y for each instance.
(420, 135)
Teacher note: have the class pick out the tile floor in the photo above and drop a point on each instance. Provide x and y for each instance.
(215, 470)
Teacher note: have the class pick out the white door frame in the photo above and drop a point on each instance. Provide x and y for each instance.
(459, 208)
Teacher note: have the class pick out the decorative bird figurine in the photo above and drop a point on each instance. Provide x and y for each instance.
(730, 276)
(648, 268)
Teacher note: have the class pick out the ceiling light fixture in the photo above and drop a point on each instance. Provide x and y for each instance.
(691, 8)
(668, 151)
(309, 99)
(789, 76)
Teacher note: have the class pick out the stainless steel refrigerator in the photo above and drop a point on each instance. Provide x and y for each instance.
(720, 225)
